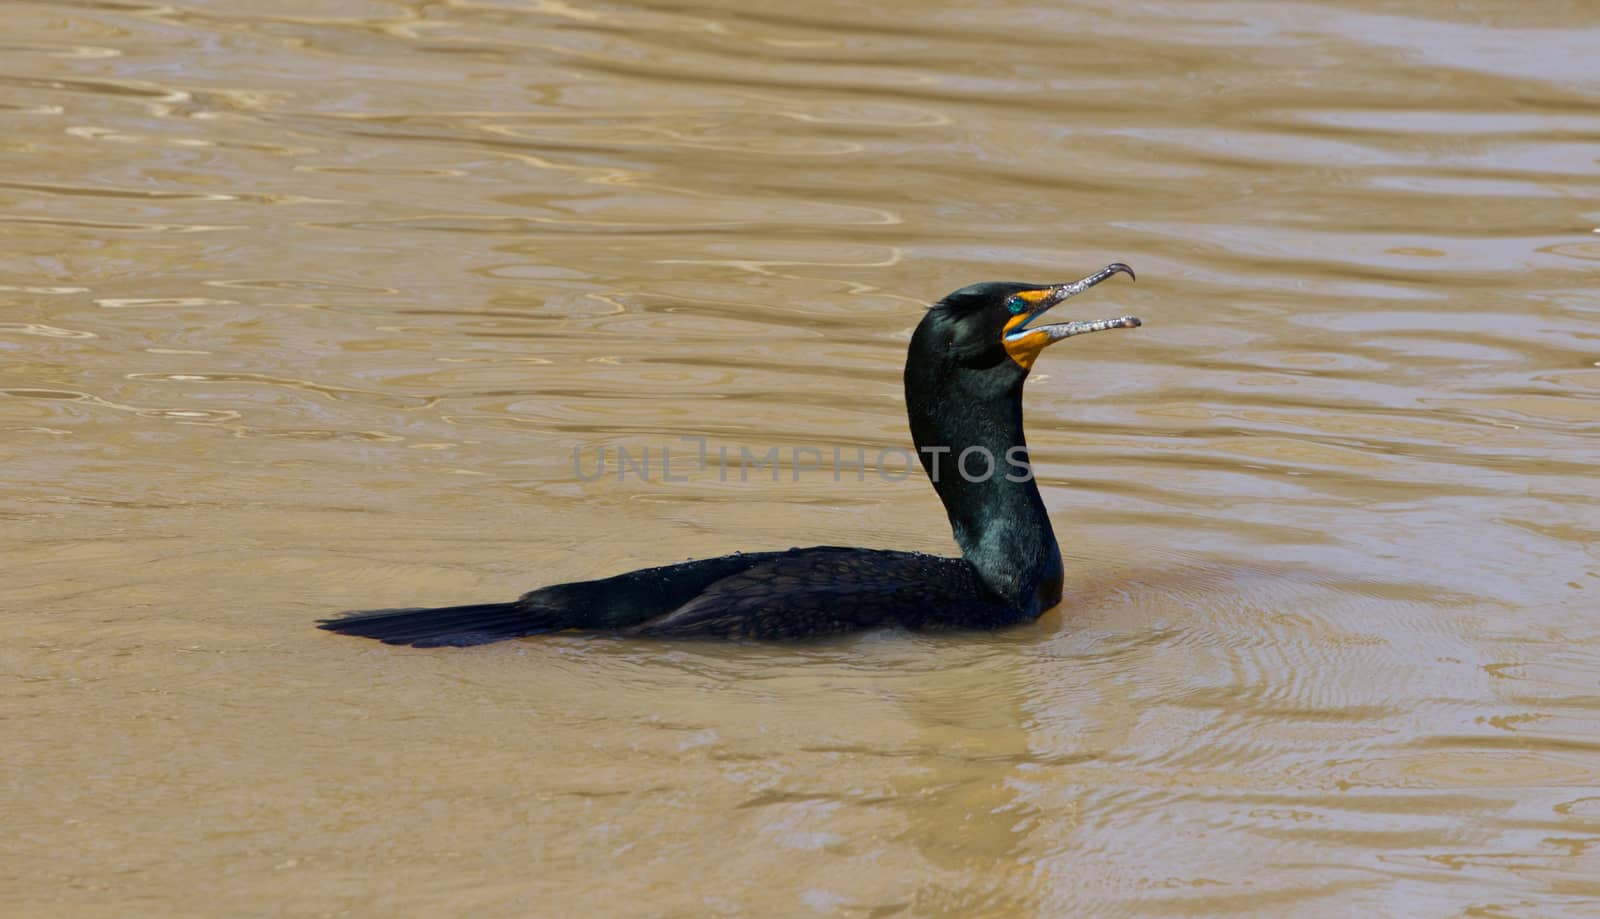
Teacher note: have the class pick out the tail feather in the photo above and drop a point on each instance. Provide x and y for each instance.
(447, 626)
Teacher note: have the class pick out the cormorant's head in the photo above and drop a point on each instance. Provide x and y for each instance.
(999, 324)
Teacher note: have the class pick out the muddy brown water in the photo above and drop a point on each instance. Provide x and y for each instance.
(309, 306)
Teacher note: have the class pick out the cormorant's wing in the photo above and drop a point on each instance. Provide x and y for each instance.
(829, 589)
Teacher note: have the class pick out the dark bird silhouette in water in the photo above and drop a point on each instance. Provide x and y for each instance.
(964, 373)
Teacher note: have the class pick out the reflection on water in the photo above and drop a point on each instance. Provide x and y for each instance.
(309, 308)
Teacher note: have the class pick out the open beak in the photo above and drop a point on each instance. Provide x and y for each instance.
(1024, 340)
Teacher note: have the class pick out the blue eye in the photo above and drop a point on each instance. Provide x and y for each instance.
(1016, 305)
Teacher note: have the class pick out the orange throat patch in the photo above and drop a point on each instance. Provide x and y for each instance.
(1024, 350)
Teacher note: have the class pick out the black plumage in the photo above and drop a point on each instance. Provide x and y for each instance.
(964, 374)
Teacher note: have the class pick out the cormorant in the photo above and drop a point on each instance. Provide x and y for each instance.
(964, 373)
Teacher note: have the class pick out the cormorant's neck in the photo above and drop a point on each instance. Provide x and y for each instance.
(998, 517)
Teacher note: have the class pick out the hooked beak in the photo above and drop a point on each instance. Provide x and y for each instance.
(1024, 340)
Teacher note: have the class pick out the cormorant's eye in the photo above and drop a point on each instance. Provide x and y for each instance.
(1016, 305)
